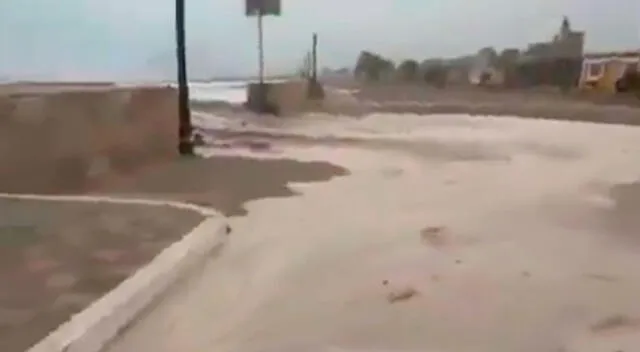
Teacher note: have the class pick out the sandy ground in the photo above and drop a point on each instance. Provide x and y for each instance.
(359, 100)
(449, 234)
(476, 101)
(20, 88)
(58, 257)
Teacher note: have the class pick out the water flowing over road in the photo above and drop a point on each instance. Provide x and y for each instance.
(450, 234)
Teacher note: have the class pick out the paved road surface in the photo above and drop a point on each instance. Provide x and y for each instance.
(450, 234)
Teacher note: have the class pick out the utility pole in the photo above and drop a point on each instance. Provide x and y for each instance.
(314, 88)
(260, 16)
(262, 93)
(185, 145)
(260, 9)
(314, 58)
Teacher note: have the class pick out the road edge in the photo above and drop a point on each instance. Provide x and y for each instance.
(94, 327)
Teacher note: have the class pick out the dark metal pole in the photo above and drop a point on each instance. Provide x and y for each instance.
(314, 89)
(185, 146)
(262, 88)
(314, 60)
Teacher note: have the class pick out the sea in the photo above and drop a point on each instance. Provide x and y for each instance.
(233, 92)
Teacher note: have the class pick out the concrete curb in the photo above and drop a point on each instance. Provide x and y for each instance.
(93, 328)
(113, 200)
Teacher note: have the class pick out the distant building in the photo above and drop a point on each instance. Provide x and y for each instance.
(538, 50)
(566, 44)
(601, 71)
(509, 56)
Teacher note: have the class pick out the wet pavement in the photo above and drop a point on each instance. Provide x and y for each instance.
(448, 234)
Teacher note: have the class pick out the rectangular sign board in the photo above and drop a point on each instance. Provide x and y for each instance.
(264, 7)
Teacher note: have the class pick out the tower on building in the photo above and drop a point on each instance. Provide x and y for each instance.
(565, 28)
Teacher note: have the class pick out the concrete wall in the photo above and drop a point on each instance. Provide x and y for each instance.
(61, 139)
(290, 97)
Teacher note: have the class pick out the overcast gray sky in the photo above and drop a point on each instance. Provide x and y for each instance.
(117, 39)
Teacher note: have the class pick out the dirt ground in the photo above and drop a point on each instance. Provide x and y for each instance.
(358, 100)
(58, 257)
(536, 103)
(224, 183)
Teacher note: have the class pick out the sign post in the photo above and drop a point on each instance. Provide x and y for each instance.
(314, 90)
(260, 49)
(314, 56)
(259, 9)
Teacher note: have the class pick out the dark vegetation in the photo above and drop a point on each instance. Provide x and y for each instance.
(517, 72)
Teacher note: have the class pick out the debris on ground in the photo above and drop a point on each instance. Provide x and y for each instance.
(601, 277)
(401, 295)
(614, 322)
(433, 236)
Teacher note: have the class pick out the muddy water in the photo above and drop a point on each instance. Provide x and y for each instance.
(418, 249)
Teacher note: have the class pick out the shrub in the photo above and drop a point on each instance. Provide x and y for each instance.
(408, 70)
(436, 75)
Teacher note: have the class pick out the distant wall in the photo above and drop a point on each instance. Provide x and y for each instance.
(62, 140)
(289, 97)
(548, 72)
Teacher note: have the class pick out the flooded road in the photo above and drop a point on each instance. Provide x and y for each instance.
(448, 234)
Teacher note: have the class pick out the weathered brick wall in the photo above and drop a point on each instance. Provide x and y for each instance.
(64, 141)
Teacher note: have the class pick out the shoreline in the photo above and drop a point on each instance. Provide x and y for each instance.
(356, 99)
(563, 111)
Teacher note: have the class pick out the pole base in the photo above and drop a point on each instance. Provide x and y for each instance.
(185, 148)
(315, 91)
